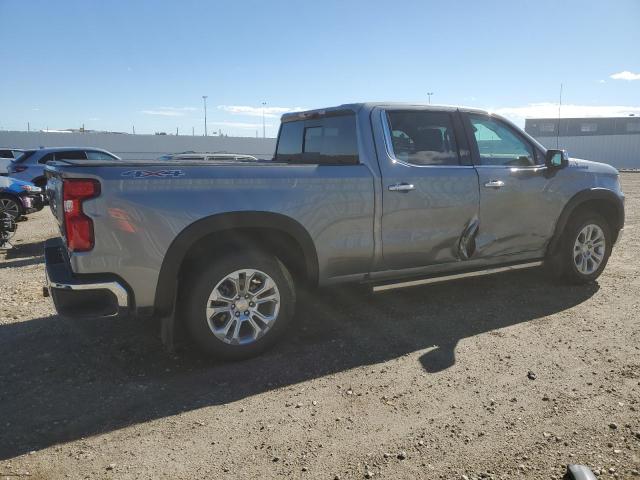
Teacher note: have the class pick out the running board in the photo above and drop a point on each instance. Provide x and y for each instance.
(455, 276)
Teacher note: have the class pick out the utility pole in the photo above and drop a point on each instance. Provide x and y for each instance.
(134, 129)
(193, 131)
(28, 127)
(177, 131)
(263, 125)
(429, 95)
(204, 98)
(559, 110)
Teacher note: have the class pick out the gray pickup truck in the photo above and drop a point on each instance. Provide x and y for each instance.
(382, 194)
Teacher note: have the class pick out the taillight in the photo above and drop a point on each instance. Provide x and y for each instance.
(78, 227)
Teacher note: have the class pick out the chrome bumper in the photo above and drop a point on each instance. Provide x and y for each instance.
(79, 297)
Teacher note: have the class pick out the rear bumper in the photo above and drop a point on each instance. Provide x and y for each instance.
(81, 297)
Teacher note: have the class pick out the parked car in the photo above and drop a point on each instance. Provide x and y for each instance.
(7, 155)
(18, 198)
(388, 195)
(210, 157)
(30, 165)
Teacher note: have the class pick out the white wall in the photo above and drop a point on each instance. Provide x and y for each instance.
(136, 147)
(621, 151)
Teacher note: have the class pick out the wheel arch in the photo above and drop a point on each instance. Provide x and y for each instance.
(232, 229)
(601, 200)
(40, 180)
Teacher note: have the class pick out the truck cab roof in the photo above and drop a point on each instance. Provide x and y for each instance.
(356, 107)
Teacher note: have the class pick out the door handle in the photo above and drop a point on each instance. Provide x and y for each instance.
(402, 187)
(494, 184)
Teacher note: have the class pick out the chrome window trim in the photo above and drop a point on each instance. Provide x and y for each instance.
(392, 156)
(514, 169)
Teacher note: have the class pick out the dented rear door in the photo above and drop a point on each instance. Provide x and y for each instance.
(429, 188)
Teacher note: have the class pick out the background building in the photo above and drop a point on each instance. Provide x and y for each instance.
(615, 141)
(140, 147)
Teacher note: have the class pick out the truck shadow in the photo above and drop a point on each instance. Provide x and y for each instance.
(25, 250)
(64, 380)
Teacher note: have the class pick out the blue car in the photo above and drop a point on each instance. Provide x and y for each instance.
(18, 198)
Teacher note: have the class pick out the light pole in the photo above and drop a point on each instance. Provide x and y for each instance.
(204, 98)
(263, 126)
(429, 95)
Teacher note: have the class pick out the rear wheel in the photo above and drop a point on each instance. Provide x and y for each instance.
(239, 305)
(585, 248)
(11, 206)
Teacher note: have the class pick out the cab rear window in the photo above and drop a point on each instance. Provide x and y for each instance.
(323, 141)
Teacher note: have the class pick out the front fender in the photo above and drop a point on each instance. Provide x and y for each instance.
(593, 194)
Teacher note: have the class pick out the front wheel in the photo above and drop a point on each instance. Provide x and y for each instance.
(11, 206)
(239, 305)
(586, 248)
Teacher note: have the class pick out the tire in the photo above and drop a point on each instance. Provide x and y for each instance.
(585, 248)
(11, 205)
(211, 305)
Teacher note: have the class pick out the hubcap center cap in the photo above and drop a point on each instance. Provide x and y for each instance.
(242, 304)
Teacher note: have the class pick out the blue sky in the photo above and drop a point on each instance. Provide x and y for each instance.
(115, 64)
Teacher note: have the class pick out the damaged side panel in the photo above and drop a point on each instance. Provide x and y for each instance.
(467, 243)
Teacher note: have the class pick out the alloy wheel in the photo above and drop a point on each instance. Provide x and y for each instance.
(243, 307)
(589, 249)
(9, 206)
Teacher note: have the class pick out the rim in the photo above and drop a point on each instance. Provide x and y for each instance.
(9, 206)
(243, 307)
(589, 249)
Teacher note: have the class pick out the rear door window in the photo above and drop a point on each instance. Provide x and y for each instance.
(71, 155)
(421, 137)
(49, 157)
(95, 155)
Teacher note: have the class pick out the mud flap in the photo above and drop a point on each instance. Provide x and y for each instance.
(167, 332)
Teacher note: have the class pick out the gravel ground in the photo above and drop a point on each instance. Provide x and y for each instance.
(509, 376)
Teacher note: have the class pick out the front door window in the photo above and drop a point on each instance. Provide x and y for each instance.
(500, 145)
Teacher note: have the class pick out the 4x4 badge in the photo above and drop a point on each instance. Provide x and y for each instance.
(152, 173)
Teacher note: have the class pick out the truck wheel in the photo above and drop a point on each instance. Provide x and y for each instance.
(239, 305)
(586, 248)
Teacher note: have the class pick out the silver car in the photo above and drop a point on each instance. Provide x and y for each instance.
(8, 155)
(30, 165)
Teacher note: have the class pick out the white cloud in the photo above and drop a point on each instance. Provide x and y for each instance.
(169, 111)
(601, 81)
(241, 125)
(625, 75)
(550, 110)
(270, 112)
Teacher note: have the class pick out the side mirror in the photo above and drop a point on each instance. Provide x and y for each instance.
(556, 159)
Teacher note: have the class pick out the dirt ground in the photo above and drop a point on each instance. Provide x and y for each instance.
(510, 376)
